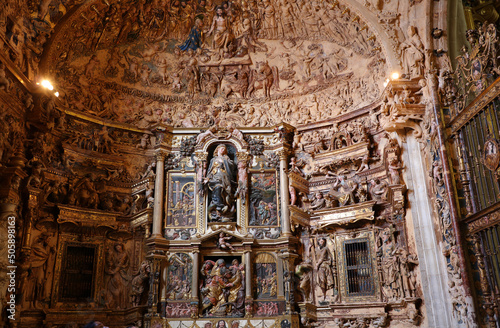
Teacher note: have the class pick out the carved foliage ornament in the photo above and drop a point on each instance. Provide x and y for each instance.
(477, 67)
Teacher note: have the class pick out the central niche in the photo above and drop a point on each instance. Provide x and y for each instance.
(223, 286)
(221, 184)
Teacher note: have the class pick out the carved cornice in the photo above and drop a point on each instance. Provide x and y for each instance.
(343, 216)
(81, 155)
(354, 151)
(81, 216)
(475, 106)
(483, 222)
(298, 216)
(298, 182)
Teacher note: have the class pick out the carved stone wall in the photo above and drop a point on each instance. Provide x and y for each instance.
(233, 163)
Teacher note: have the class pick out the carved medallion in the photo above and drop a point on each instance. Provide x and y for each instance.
(491, 156)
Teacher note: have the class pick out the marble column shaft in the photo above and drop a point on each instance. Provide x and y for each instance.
(248, 275)
(196, 275)
(284, 195)
(159, 193)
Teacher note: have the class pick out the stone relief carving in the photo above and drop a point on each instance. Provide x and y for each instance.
(476, 67)
(225, 51)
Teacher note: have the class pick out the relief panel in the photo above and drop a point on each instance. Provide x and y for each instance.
(263, 209)
(181, 201)
(264, 279)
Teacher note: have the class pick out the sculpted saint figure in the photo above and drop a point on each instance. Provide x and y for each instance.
(117, 265)
(223, 35)
(39, 269)
(220, 177)
(390, 266)
(412, 51)
(319, 202)
(324, 268)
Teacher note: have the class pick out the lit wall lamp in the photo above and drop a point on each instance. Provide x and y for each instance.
(48, 85)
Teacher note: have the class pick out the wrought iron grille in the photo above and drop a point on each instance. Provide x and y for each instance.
(77, 273)
(359, 278)
(475, 133)
(491, 244)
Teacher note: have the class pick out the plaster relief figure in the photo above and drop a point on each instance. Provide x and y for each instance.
(209, 132)
(394, 167)
(262, 78)
(223, 34)
(138, 283)
(4, 81)
(318, 203)
(293, 195)
(390, 266)
(195, 37)
(40, 270)
(412, 51)
(379, 189)
(304, 272)
(84, 193)
(408, 274)
(296, 166)
(117, 266)
(223, 243)
(324, 273)
(343, 190)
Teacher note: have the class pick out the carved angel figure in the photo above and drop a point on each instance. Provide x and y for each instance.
(378, 189)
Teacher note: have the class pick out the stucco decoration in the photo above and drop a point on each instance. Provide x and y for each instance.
(195, 64)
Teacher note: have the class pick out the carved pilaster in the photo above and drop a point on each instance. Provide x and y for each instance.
(155, 257)
(288, 260)
(32, 215)
(248, 284)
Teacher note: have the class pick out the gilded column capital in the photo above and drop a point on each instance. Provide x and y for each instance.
(161, 154)
(243, 156)
(283, 153)
(201, 155)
